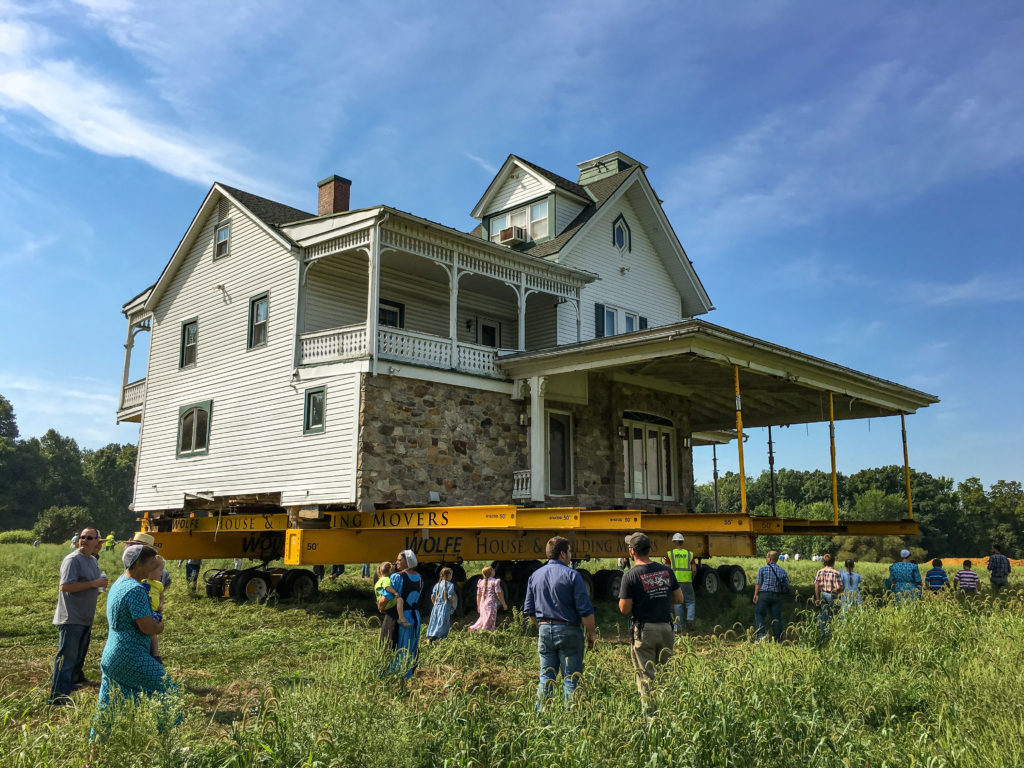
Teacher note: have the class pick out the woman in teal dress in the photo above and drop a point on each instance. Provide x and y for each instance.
(905, 578)
(129, 670)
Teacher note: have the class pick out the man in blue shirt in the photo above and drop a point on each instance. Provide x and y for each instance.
(772, 583)
(557, 602)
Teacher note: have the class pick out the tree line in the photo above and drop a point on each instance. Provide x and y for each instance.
(954, 518)
(52, 486)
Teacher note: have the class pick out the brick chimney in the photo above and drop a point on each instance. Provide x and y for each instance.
(333, 195)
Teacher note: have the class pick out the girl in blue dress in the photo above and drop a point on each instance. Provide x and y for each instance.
(443, 597)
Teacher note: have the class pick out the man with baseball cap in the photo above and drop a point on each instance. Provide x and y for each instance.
(648, 593)
(80, 585)
(680, 560)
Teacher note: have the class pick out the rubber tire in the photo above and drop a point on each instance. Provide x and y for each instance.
(298, 583)
(614, 584)
(737, 580)
(469, 594)
(251, 587)
(588, 582)
(707, 580)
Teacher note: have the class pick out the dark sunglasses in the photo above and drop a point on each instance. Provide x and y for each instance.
(88, 538)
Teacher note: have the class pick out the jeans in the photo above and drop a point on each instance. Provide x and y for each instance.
(560, 648)
(999, 582)
(192, 574)
(826, 611)
(768, 602)
(689, 603)
(74, 644)
(366, 571)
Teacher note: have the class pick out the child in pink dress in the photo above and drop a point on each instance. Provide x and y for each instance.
(488, 595)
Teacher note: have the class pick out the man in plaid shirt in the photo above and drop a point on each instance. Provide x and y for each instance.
(998, 567)
(827, 586)
(772, 582)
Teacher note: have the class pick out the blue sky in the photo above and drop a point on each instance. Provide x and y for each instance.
(848, 179)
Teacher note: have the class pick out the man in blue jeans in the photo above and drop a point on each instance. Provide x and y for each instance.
(772, 583)
(557, 602)
(80, 585)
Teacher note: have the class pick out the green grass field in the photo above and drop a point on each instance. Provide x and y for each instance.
(935, 683)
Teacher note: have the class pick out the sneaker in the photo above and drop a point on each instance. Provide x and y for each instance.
(61, 701)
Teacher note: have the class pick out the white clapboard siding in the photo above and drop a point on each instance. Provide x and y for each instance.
(541, 322)
(517, 191)
(565, 211)
(645, 288)
(335, 292)
(256, 443)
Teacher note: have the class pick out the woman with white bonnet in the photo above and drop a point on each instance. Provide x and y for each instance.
(405, 640)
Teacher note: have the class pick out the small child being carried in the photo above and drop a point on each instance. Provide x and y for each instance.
(154, 585)
(382, 589)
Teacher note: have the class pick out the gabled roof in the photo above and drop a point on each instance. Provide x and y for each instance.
(548, 179)
(266, 214)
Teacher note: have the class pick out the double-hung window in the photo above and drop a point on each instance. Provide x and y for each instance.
(391, 314)
(259, 310)
(194, 429)
(648, 457)
(222, 240)
(560, 459)
(533, 219)
(313, 412)
(613, 320)
(189, 344)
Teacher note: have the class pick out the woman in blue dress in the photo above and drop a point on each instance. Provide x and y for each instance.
(404, 638)
(443, 597)
(129, 669)
(905, 578)
(851, 586)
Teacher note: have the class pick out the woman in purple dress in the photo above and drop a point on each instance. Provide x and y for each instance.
(488, 596)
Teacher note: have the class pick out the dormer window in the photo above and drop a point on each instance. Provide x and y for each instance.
(622, 238)
(526, 224)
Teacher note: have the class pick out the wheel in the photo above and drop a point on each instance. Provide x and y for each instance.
(469, 594)
(251, 587)
(613, 585)
(298, 583)
(458, 573)
(588, 582)
(737, 579)
(707, 579)
(606, 584)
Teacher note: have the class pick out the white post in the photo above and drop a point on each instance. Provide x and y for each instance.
(128, 344)
(522, 312)
(373, 293)
(453, 309)
(538, 459)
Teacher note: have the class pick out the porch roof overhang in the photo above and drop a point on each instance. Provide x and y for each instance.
(694, 359)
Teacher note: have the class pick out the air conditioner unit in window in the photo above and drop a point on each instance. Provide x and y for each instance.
(512, 236)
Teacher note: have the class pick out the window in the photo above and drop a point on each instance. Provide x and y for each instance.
(622, 237)
(189, 337)
(612, 320)
(648, 453)
(559, 453)
(391, 313)
(259, 309)
(488, 332)
(194, 429)
(313, 413)
(222, 240)
(533, 218)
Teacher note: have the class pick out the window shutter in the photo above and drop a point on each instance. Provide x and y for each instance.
(598, 321)
(643, 323)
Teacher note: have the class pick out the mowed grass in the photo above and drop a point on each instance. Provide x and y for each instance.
(934, 683)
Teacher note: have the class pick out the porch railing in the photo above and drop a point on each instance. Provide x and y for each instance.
(521, 484)
(334, 344)
(133, 395)
(399, 345)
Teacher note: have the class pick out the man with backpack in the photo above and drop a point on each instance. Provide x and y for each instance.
(772, 583)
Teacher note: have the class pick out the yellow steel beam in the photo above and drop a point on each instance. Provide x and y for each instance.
(226, 523)
(760, 526)
(801, 527)
(265, 545)
(485, 516)
(739, 440)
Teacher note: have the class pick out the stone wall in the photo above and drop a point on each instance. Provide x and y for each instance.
(421, 436)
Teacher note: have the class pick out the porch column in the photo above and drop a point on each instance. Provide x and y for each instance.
(906, 466)
(739, 440)
(129, 343)
(453, 309)
(538, 461)
(373, 294)
(521, 344)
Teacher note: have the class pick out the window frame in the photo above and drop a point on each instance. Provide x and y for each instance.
(395, 305)
(570, 450)
(668, 476)
(225, 224)
(627, 238)
(481, 321)
(207, 407)
(306, 398)
(527, 210)
(253, 302)
(182, 347)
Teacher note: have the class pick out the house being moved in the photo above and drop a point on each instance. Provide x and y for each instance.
(364, 359)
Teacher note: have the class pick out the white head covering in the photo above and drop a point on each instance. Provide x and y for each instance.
(904, 553)
(410, 558)
(131, 554)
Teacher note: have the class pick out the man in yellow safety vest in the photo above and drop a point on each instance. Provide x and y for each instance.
(681, 562)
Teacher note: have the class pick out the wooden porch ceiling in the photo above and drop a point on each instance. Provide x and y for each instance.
(696, 360)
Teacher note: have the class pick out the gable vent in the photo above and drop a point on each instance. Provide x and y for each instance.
(223, 208)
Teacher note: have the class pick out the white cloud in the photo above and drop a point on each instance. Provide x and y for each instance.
(490, 168)
(79, 408)
(979, 289)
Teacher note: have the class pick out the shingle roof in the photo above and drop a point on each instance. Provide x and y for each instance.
(554, 178)
(601, 189)
(270, 213)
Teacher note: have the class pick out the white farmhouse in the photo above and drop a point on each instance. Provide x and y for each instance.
(371, 358)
